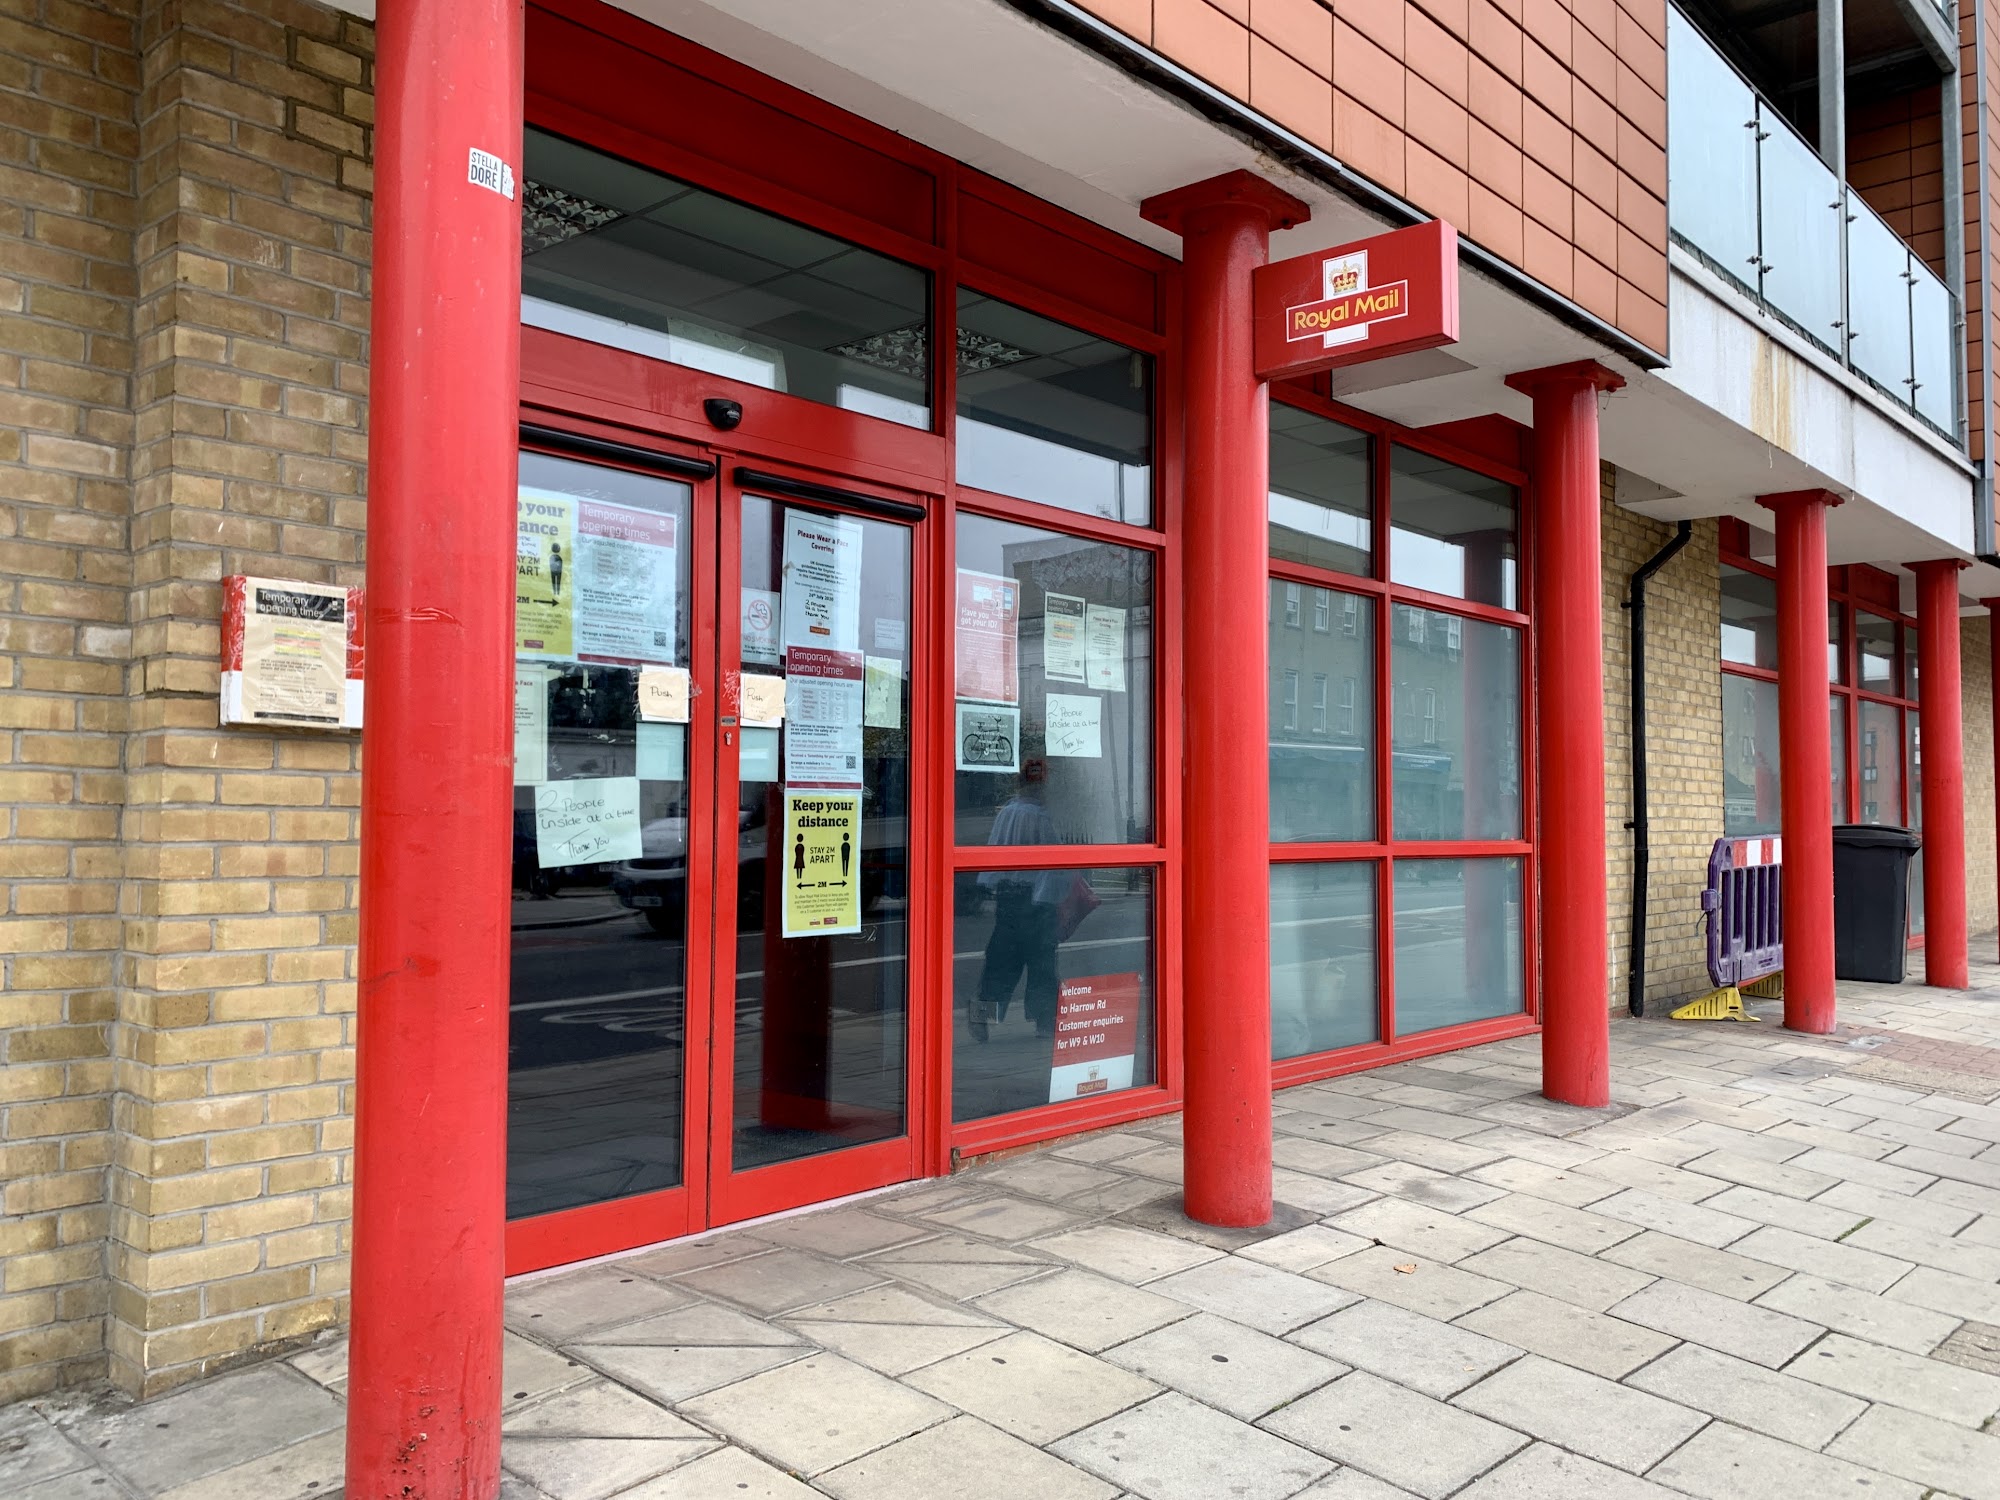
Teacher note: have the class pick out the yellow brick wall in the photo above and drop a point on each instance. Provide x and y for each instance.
(68, 196)
(228, 1186)
(1683, 748)
(184, 202)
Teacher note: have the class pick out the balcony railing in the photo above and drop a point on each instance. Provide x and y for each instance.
(1747, 194)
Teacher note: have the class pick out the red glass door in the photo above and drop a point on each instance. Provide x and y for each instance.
(818, 866)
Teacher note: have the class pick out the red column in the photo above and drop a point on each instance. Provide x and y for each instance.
(423, 1394)
(1941, 740)
(1805, 754)
(1569, 686)
(1225, 225)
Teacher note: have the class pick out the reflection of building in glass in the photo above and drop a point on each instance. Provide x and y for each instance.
(1321, 716)
(1104, 798)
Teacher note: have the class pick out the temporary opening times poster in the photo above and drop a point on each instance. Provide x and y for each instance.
(595, 581)
(823, 714)
(1097, 1036)
(1062, 637)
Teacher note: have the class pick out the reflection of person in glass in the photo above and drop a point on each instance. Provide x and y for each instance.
(1024, 915)
(555, 572)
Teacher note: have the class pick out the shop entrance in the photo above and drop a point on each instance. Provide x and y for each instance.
(716, 752)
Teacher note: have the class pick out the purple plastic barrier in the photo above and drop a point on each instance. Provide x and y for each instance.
(1744, 904)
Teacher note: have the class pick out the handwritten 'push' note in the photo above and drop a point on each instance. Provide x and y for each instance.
(588, 822)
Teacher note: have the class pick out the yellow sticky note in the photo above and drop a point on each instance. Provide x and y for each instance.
(663, 694)
(763, 700)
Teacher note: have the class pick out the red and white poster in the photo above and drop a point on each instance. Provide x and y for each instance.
(1097, 1036)
(823, 713)
(626, 599)
(986, 640)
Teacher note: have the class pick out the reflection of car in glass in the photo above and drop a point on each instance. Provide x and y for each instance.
(656, 882)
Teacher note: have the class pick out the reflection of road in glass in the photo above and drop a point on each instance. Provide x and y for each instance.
(598, 1025)
(594, 1052)
(1009, 1070)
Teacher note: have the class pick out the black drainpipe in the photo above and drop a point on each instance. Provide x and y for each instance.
(1642, 852)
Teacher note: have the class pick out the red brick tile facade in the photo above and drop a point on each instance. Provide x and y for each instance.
(1538, 127)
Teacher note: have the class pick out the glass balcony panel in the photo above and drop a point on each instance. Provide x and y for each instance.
(1878, 299)
(1711, 152)
(1800, 199)
(1932, 335)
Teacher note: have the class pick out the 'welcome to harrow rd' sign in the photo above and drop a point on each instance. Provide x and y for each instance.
(1389, 294)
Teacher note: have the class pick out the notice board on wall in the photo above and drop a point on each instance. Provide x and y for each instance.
(291, 654)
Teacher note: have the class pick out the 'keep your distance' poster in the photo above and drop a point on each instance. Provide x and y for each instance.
(822, 863)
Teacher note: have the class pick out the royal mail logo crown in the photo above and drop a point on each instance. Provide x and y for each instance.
(1348, 306)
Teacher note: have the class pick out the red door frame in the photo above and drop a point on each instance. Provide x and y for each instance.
(735, 1194)
(599, 1228)
(711, 1192)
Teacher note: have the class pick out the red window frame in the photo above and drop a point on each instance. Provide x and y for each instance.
(1852, 590)
(1385, 848)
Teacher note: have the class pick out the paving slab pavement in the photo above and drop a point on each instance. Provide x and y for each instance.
(1771, 1269)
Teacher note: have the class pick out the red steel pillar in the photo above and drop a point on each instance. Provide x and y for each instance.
(1225, 226)
(1805, 753)
(1941, 741)
(1569, 683)
(423, 1393)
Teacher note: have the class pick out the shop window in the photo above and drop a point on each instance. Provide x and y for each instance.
(1749, 618)
(1049, 413)
(1322, 957)
(1458, 942)
(1837, 729)
(1836, 652)
(1052, 987)
(1456, 754)
(573, 1137)
(1321, 496)
(1751, 779)
(1053, 663)
(1881, 781)
(1452, 531)
(1881, 664)
(1323, 785)
(1913, 770)
(619, 255)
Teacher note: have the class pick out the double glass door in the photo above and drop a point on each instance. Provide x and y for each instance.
(713, 894)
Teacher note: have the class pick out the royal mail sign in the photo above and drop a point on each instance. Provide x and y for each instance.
(1387, 295)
